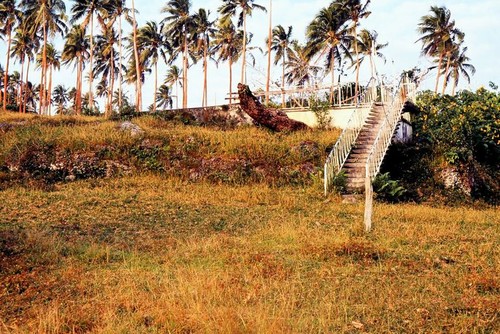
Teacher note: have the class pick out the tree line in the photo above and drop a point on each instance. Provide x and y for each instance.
(96, 47)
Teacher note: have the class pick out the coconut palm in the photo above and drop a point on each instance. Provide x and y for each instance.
(437, 30)
(76, 51)
(47, 16)
(241, 9)
(135, 71)
(356, 10)
(174, 77)
(60, 96)
(163, 97)
(227, 44)
(300, 70)
(451, 48)
(13, 84)
(152, 45)
(204, 30)
(116, 10)
(10, 15)
(368, 47)
(86, 10)
(53, 59)
(136, 62)
(106, 64)
(24, 45)
(281, 45)
(53, 63)
(178, 28)
(269, 38)
(459, 67)
(328, 35)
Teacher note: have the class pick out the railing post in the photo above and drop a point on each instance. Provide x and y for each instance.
(368, 200)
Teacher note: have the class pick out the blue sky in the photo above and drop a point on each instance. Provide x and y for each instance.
(395, 22)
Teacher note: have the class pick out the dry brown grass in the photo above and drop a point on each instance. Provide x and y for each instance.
(155, 255)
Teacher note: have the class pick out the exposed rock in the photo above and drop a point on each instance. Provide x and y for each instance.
(452, 179)
(132, 128)
(270, 118)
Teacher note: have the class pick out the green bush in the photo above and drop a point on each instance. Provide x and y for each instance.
(461, 132)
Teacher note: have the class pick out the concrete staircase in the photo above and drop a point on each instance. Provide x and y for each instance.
(355, 165)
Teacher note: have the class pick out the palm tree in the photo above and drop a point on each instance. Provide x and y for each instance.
(76, 50)
(86, 9)
(280, 44)
(163, 97)
(459, 66)
(9, 16)
(152, 45)
(178, 28)
(23, 48)
(13, 85)
(356, 11)
(368, 47)
(135, 71)
(60, 96)
(49, 17)
(451, 47)
(227, 43)
(204, 30)
(328, 36)
(105, 64)
(437, 30)
(241, 9)
(269, 37)
(136, 62)
(53, 62)
(116, 9)
(300, 69)
(174, 77)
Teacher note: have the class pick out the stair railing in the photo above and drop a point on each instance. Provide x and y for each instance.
(394, 103)
(339, 153)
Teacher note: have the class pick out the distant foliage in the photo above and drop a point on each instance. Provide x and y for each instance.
(458, 133)
(461, 128)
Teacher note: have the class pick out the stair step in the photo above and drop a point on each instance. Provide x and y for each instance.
(349, 164)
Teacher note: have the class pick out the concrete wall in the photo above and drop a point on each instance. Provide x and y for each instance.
(339, 117)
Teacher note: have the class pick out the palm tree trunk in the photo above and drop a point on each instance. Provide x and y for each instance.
(244, 50)
(26, 81)
(21, 87)
(44, 72)
(357, 58)
(120, 62)
(333, 82)
(91, 67)
(438, 72)
(112, 83)
(372, 65)
(184, 77)
(6, 74)
(445, 82)
(156, 87)
(176, 94)
(205, 68)
(454, 85)
(137, 66)
(283, 83)
(269, 37)
(49, 91)
(78, 97)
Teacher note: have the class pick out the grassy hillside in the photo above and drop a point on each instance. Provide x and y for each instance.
(158, 247)
(47, 151)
